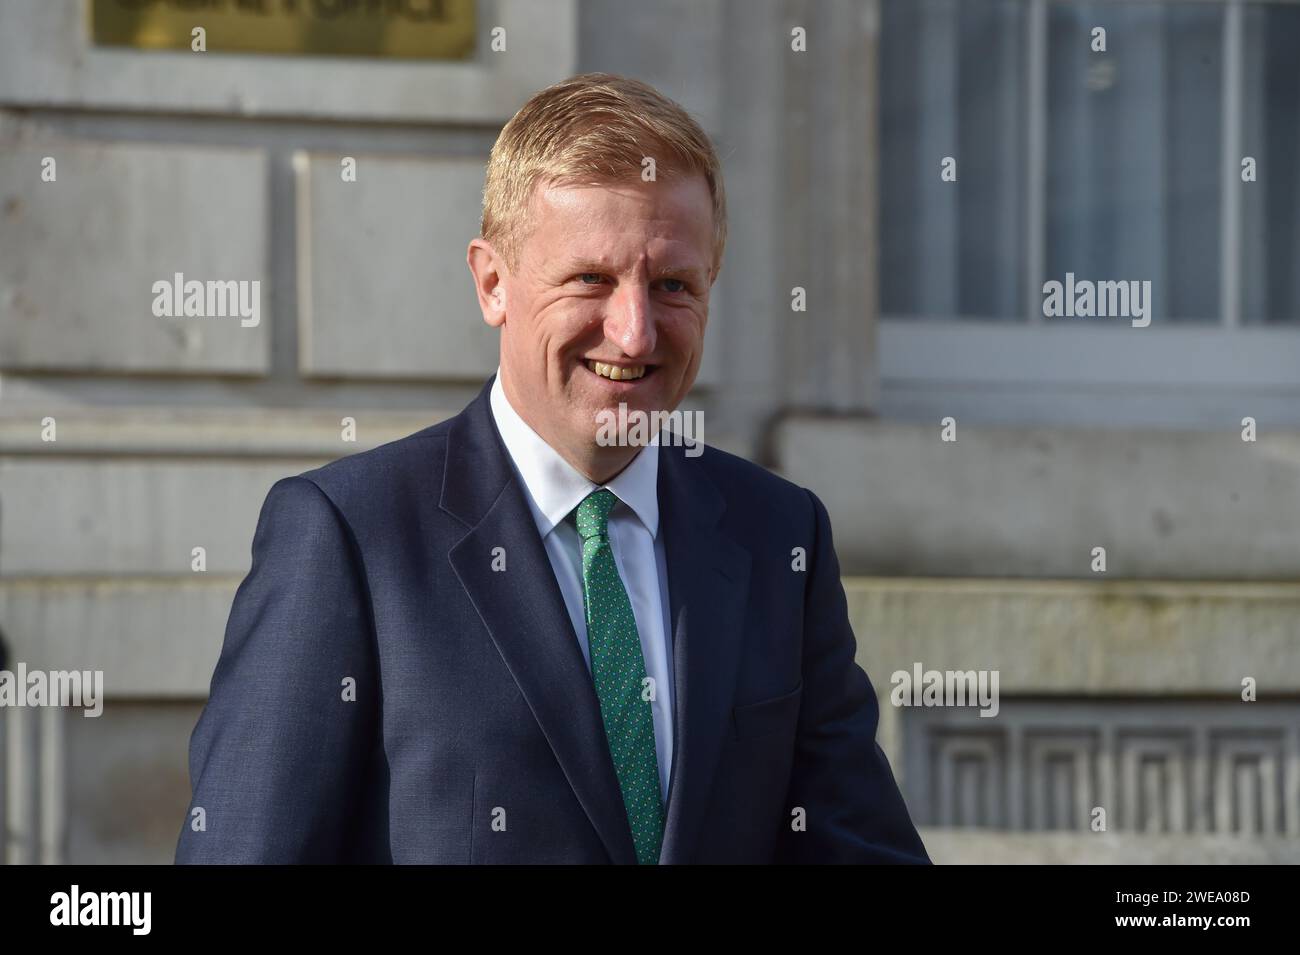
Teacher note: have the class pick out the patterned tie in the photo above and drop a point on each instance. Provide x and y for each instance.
(618, 671)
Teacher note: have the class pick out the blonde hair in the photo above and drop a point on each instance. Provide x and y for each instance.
(592, 129)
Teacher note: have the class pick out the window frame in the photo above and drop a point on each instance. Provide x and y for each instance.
(986, 365)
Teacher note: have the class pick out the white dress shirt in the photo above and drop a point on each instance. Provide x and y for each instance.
(553, 489)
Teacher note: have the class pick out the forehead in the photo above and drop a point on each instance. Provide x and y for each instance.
(596, 219)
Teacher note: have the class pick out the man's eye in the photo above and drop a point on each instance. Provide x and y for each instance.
(590, 278)
(674, 285)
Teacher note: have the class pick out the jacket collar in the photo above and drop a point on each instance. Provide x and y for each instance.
(524, 612)
(554, 487)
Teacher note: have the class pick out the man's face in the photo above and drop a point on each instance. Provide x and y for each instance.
(610, 281)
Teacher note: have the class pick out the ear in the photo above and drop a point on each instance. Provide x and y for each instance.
(490, 272)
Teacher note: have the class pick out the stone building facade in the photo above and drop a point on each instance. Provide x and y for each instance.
(1119, 689)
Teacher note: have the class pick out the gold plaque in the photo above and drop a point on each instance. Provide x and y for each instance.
(403, 29)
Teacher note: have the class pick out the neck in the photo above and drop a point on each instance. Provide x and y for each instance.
(597, 463)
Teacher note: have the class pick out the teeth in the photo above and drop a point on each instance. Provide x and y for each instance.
(615, 372)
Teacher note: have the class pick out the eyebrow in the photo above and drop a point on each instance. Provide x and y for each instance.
(664, 272)
(679, 271)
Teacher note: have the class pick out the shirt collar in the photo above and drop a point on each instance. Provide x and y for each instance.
(554, 487)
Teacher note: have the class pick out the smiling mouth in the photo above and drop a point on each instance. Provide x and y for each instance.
(617, 372)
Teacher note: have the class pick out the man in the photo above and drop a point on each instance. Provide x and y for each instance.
(509, 638)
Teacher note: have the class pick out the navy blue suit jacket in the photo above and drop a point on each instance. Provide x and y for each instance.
(475, 733)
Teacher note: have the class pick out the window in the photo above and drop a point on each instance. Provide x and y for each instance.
(1124, 165)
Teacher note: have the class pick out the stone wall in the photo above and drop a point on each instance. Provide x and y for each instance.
(1121, 690)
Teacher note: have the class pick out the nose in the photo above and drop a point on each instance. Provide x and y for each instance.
(630, 324)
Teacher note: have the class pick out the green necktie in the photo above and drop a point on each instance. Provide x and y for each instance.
(618, 671)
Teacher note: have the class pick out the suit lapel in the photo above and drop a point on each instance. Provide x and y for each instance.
(524, 613)
(708, 583)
